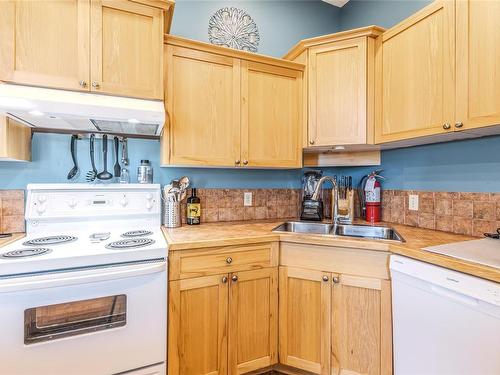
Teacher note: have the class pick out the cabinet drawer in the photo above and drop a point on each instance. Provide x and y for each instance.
(212, 261)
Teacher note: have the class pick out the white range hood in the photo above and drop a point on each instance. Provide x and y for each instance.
(82, 112)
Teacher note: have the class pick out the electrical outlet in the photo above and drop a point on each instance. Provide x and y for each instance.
(413, 202)
(247, 198)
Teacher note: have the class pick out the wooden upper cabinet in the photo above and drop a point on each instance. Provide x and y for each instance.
(253, 320)
(271, 116)
(361, 326)
(304, 321)
(477, 60)
(15, 140)
(203, 107)
(415, 73)
(338, 93)
(339, 87)
(197, 321)
(45, 43)
(105, 46)
(126, 49)
(229, 108)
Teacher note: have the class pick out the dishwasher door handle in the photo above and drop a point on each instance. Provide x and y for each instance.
(458, 297)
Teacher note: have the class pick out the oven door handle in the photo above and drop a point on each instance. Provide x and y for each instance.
(84, 276)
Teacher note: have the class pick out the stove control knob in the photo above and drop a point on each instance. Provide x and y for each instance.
(40, 209)
(149, 206)
(42, 198)
(123, 202)
(149, 196)
(72, 203)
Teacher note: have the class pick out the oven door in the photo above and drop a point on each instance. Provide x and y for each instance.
(94, 321)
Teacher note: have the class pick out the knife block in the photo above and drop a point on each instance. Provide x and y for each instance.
(345, 213)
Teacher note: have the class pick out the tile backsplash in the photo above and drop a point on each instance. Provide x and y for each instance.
(11, 211)
(227, 204)
(464, 213)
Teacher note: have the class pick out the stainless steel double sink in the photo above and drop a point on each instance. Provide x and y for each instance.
(341, 230)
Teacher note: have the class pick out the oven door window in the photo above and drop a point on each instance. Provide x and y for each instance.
(53, 322)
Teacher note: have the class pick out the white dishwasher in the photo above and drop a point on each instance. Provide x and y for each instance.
(444, 322)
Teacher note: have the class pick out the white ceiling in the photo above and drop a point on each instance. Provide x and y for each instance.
(337, 3)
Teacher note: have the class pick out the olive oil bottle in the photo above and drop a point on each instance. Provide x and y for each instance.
(193, 209)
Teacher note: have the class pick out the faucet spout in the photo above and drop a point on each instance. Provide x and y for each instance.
(335, 191)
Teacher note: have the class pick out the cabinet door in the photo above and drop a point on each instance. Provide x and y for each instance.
(127, 49)
(203, 106)
(415, 67)
(15, 140)
(197, 322)
(361, 326)
(338, 93)
(478, 56)
(304, 319)
(271, 116)
(253, 320)
(45, 43)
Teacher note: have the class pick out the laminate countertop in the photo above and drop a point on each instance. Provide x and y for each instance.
(7, 240)
(239, 233)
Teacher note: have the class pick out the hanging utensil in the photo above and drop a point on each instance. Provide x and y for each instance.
(105, 175)
(92, 174)
(117, 169)
(124, 151)
(74, 171)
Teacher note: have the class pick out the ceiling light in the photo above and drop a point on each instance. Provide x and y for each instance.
(36, 113)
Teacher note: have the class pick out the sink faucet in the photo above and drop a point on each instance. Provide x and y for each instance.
(335, 195)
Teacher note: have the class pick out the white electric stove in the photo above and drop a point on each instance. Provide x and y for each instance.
(85, 291)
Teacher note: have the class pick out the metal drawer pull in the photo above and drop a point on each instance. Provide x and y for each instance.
(95, 85)
(336, 280)
(82, 83)
(325, 278)
(224, 279)
(446, 126)
(229, 260)
(459, 125)
(234, 278)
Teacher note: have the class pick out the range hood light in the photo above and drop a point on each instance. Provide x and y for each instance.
(36, 113)
(133, 121)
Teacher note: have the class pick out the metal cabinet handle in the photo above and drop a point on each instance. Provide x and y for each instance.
(82, 83)
(237, 162)
(245, 162)
(446, 126)
(311, 142)
(95, 85)
(335, 280)
(229, 260)
(459, 124)
(234, 278)
(224, 279)
(325, 278)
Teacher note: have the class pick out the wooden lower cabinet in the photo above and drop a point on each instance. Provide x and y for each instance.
(305, 308)
(335, 324)
(223, 324)
(253, 320)
(361, 326)
(197, 326)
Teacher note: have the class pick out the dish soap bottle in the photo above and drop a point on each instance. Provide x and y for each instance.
(193, 209)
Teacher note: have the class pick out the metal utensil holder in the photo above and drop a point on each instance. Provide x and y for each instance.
(172, 214)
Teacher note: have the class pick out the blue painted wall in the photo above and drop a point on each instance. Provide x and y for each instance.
(472, 165)
(281, 25)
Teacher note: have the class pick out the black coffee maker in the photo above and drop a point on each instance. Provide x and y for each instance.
(311, 209)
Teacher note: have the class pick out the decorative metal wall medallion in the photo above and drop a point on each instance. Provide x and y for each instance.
(234, 28)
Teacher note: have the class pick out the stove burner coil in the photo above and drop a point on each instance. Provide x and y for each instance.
(51, 240)
(24, 253)
(130, 243)
(137, 233)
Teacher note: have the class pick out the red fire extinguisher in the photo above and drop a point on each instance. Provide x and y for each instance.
(372, 198)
